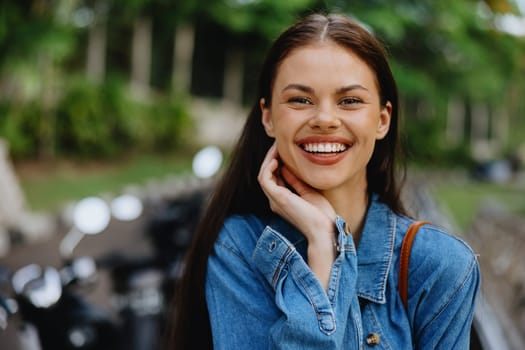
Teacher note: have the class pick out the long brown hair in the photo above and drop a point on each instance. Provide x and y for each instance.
(238, 191)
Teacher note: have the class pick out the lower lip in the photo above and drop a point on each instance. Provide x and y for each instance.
(324, 158)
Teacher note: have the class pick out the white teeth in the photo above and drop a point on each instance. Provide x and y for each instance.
(324, 147)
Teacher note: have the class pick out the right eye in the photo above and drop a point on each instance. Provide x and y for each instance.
(300, 100)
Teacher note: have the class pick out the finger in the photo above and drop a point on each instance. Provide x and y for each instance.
(270, 155)
(266, 175)
(279, 180)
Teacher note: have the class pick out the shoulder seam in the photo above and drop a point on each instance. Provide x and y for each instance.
(460, 286)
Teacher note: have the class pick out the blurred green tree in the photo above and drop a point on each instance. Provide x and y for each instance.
(35, 41)
(459, 73)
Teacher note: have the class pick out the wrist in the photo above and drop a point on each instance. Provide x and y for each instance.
(323, 249)
(321, 256)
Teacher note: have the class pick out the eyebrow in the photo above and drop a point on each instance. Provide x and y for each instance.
(347, 88)
(340, 90)
(299, 87)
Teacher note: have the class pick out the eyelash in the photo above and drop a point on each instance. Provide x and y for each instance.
(345, 101)
(301, 100)
(350, 101)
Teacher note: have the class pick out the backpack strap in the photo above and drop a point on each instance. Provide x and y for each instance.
(404, 259)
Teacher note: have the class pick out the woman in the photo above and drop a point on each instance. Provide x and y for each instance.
(299, 246)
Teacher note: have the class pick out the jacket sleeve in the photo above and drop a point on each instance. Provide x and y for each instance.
(453, 286)
(272, 299)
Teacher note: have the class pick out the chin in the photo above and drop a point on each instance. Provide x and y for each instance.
(323, 185)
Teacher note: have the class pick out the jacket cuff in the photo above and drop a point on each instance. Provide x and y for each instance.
(271, 254)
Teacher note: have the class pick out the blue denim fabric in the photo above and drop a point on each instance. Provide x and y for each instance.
(261, 294)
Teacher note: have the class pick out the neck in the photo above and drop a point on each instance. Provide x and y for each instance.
(352, 206)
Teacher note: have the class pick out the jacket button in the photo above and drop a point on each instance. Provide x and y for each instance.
(372, 339)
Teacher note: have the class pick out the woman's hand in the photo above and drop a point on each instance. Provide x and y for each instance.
(307, 209)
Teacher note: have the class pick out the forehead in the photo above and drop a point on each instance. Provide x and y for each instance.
(325, 63)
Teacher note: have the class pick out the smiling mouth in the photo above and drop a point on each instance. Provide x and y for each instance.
(324, 147)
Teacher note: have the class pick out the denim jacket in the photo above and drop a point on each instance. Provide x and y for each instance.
(261, 293)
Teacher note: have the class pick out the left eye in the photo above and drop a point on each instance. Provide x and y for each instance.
(349, 101)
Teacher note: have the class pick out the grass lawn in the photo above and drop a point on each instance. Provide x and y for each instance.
(463, 199)
(50, 186)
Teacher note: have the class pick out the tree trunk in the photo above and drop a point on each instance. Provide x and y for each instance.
(48, 97)
(141, 57)
(96, 52)
(233, 76)
(455, 122)
(479, 132)
(500, 125)
(183, 58)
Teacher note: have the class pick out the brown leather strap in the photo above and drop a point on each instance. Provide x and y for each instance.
(404, 259)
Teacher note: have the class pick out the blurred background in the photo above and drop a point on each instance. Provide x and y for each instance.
(103, 96)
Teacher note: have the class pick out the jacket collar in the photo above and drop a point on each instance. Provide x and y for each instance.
(375, 251)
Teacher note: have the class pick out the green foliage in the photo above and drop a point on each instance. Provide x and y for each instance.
(96, 121)
(266, 18)
(86, 121)
(19, 125)
(424, 144)
(413, 83)
(168, 119)
(27, 31)
(438, 50)
(106, 120)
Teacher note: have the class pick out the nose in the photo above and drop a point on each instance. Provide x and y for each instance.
(324, 119)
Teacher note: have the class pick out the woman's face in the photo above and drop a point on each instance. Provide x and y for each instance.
(326, 115)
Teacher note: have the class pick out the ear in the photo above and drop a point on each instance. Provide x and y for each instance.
(266, 118)
(383, 124)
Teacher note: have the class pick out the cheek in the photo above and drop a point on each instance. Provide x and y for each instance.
(367, 127)
(369, 148)
(369, 143)
(283, 133)
(366, 134)
(282, 147)
(286, 151)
